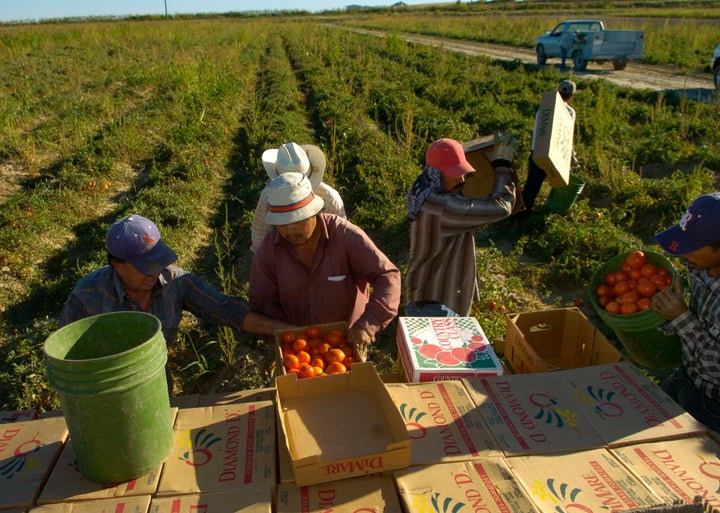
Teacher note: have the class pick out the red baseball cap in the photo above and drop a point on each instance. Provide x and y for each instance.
(448, 156)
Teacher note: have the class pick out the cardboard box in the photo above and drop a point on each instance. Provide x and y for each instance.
(221, 447)
(248, 499)
(443, 423)
(479, 184)
(67, 484)
(549, 340)
(443, 348)
(6, 417)
(479, 485)
(324, 328)
(28, 451)
(340, 426)
(624, 406)
(374, 493)
(585, 481)
(531, 414)
(677, 470)
(240, 396)
(554, 139)
(138, 504)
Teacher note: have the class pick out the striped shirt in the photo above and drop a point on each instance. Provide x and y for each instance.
(442, 264)
(699, 331)
(101, 291)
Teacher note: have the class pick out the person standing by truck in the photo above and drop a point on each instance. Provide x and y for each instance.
(567, 39)
(536, 175)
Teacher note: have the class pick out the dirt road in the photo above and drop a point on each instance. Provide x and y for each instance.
(639, 76)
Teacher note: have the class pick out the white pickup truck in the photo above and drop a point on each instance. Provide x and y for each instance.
(591, 42)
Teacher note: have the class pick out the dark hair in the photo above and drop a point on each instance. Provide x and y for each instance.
(111, 258)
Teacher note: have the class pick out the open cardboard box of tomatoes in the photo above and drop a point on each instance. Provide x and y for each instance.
(322, 347)
(340, 426)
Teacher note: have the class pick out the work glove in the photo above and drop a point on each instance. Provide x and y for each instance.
(506, 147)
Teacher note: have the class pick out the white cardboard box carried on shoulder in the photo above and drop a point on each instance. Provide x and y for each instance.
(554, 139)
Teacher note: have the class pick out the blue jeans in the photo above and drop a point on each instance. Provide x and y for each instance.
(679, 386)
(428, 309)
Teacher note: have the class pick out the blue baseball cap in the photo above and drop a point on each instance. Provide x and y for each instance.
(698, 227)
(137, 240)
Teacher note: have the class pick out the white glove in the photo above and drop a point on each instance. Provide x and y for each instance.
(506, 147)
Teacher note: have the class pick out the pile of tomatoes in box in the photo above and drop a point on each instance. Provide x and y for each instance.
(630, 290)
(311, 354)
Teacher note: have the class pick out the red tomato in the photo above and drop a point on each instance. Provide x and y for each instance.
(646, 288)
(613, 307)
(644, 304)
(610, 279)
(602, 301)
(635, 259)
(628, 308)
(287, 337)
(602, 290)
(621, 287)
(648, 270)
(312, 332)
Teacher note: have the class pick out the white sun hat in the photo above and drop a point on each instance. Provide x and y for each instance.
(292, 158)
(290, 199)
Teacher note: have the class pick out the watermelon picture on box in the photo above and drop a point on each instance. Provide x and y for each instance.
(444, 348)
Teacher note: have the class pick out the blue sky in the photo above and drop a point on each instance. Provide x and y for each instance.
(19, 10)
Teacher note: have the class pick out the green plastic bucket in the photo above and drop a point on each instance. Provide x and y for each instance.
(109, 371)
(640, 333)
(561, 199)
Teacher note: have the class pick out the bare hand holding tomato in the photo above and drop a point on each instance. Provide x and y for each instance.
(669, 303)
(359, 338)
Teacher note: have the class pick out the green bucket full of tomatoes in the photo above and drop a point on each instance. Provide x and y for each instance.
(621, 291)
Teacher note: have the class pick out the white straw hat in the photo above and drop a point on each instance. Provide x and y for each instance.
(291, 199)
(292, 158)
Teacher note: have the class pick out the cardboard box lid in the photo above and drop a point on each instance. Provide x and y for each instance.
(248, 499)
(625, 406)
(28, 451)
(479, 184)
(591, 480)
(340, 418)
(480, 485)
(374, 493)
(445, 345)
(530, 413)
(67, 484)
(676, 470)
(136, 504)
(221, 447)
(443, 423)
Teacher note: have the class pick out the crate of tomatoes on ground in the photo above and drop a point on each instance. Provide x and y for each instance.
(621, 292)
(316, 350)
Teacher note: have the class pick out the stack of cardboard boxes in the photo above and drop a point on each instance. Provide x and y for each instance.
(596, 437)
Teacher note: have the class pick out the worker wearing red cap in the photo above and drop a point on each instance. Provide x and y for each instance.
(441, 275)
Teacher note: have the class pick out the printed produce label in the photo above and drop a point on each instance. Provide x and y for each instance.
(448, 343)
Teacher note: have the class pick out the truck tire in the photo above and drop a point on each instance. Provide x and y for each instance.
(541, 55)
(716, 77)
(579, 61)
(619, 64)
